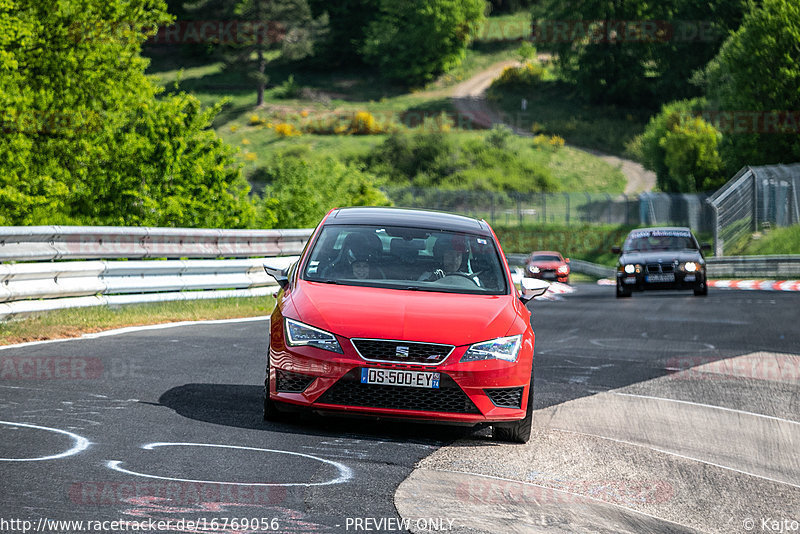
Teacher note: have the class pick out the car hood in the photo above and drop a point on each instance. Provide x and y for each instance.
(661, 256)
(424, 316)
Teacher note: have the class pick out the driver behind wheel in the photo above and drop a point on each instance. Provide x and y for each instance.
(449, 253)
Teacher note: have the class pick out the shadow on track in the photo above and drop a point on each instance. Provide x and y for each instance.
(240, 406)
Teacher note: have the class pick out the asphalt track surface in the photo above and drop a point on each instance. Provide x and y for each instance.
(664, 412)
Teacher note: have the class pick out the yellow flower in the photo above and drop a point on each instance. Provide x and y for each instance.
(245, 141)
(234, 127)
(304, 113)
(250, 156)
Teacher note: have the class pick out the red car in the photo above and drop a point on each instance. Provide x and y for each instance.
(548, 265)
(407, 314)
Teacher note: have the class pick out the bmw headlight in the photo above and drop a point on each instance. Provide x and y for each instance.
(503, 348)
(299, 334)
(690, 266)
(630, 269)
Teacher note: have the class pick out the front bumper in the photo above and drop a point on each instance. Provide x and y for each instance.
(473, 392)
(645, 282)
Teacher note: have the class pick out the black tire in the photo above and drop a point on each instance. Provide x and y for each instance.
(622, 292)
(271, 411)
(516, 431)
(701, 291)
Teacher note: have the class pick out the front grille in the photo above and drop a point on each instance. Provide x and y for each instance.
(505, 397)
(349, 391)
(380, 350)
(660, 268)
(292, 382)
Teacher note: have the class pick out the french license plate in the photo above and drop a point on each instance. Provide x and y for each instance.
(689, 278)
(549, 276)
(661, 278)
(396, 377)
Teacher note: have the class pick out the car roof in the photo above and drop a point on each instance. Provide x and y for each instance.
(409, 218)
(545, 252)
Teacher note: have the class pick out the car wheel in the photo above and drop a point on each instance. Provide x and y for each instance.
(701, 291)
(271, 411)
(516, 431)
(622, 292)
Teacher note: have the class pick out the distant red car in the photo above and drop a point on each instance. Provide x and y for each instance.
(403, 314)
(548, 265)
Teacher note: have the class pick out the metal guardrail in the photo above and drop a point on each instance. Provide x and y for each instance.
(786, 267)
(754, 267)
(37, 243)
(48, 285)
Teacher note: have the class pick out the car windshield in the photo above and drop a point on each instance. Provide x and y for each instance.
(545, 257)
(659, 240)
(406, 258)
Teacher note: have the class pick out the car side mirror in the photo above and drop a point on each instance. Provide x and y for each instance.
(532, 287)
(280, 274)
(616, 250)
(705, 246)
(566, 260)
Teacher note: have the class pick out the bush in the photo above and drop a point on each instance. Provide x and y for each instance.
(526, 76)
(414, 40)
(681, 148)
(300, 192)
(757, 70)
(436, 160)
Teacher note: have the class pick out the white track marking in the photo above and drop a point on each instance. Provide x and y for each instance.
(345, 473)
(700, 404)
(81, 443)
(130, 329)
(677, 455)
(595, 499)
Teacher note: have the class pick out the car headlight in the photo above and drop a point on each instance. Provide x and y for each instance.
(299, 334)
(502, 348)
(534, 269)
(690, 266)
(564, 269)
(630, 269)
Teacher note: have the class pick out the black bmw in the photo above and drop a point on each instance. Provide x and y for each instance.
(661, 258)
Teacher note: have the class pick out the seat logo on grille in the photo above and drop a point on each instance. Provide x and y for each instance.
(401, 351)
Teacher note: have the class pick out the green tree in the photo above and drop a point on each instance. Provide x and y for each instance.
(414, 40)
(348, 20)
(681, 148)
(634, 52)
(758, 70)
(301, 192)
(266, 31)
(87, 141)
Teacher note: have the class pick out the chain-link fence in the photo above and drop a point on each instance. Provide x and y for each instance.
(649, 209)
(755, 198)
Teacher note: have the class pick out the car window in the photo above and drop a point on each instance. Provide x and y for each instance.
(659, 240)
(390, 257)
(545, 257)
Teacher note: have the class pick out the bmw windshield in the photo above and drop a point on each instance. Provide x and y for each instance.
(406, 258)
(646, 241)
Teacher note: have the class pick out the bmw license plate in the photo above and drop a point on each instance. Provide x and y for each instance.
(396, 377)
(661, 278)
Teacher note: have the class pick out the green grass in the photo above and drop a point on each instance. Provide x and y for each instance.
(775, 241)
(554, 109)
(77, 321)
(343, 92)
(579, 241)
